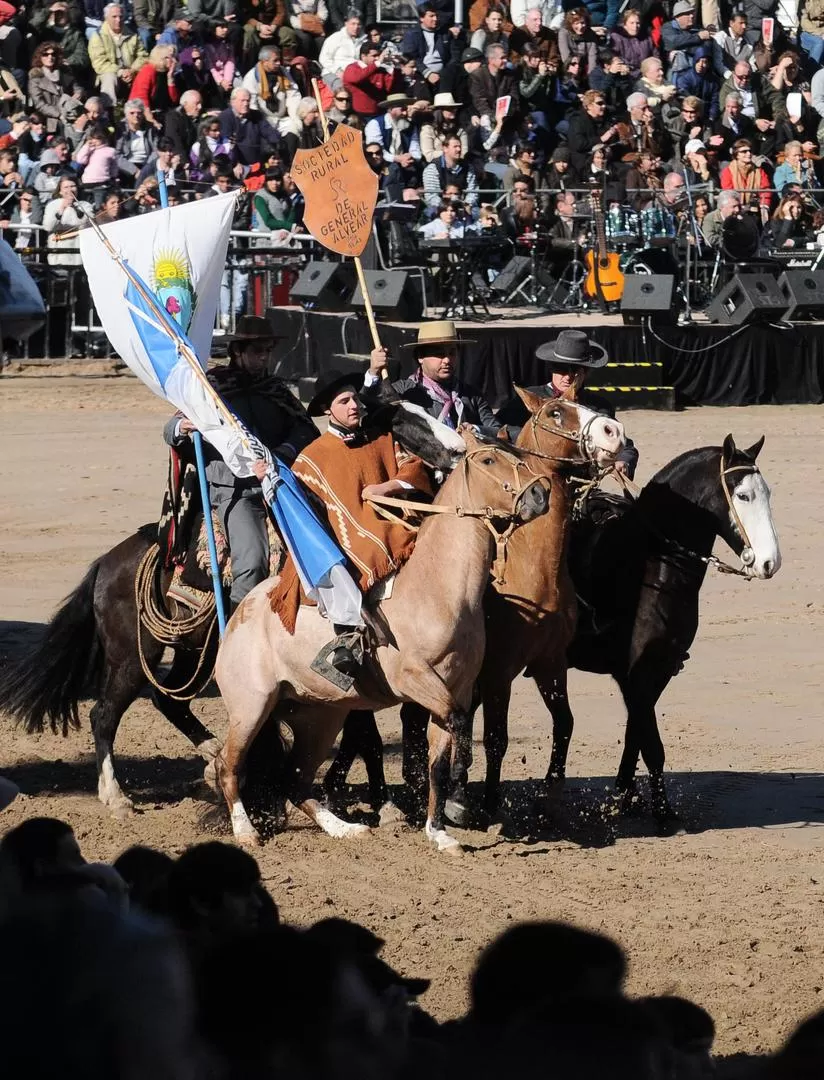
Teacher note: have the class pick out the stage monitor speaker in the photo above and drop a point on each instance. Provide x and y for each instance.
(748, 298)
(395, 294)
(803, 291)
(327, 286)
(651, 296)
(515, 271)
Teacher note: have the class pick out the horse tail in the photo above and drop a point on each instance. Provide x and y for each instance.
(47, 685)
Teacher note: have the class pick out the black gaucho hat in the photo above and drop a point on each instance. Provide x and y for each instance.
(572, 348)
(329, 384)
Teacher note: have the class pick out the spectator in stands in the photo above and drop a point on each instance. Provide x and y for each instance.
(654, 86)
(178, 32)
(811, 37)
(537, 91)
(696, 167)
(447, 224)
(450, 168)
(491, 32)
(53, 164)
(19, 126)
(220, 61)
(575, 38)
(308, 20)
(181, 123)
(205, 14)
(302, 133)
(399, 139)
(97, 158)
(31, 145)
(273, 208)
(787, 227)
(795, 169)
(731, 47)
(443, 124)
(340, 50)
(679, 38)
(155, 84)
(369, 79)
(728, 205)
(611, 77)
(151, 16)
(630, 43)
(11, 180)
(53, 90)
(340, 111)
(454, 78)
(192, 73)
(700, 81)
(265, 23)
(145, 199)
(642, 130)
(731, 126)
(93, 114)
(755, 11)
(115, 56)
(490, 82)
(12, 97)
(251, 135)
(431, 48)
(533, 32)
(522, 164)
(62, 24)
(274, 94)
(744, 82)
(65, 213)
(208, 146)
(748, 179)
(165, 159)
(587, 127)
(559, 173)
(26, 213)
(136, 140)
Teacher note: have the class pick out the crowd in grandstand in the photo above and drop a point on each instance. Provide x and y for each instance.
(500, 123)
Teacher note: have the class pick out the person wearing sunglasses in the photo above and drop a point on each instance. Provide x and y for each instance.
(54, 92)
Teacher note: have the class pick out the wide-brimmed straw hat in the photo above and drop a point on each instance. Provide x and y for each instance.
(254, 328)
(328, 385)
(438, 332)
(446, 101)
(396, 100)
(572, 348)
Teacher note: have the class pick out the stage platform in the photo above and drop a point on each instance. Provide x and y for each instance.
(650, 366)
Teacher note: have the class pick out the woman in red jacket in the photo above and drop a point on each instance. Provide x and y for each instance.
(748, 179)
(155, 84)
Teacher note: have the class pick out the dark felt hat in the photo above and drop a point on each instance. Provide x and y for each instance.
(254, 328)
(572, 348)
(328, 385)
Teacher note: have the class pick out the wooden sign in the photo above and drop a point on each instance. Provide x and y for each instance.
(340, 190)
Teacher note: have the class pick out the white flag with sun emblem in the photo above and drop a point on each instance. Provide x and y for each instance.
(180, 254)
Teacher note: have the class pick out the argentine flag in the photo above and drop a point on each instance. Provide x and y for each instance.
(169, 274)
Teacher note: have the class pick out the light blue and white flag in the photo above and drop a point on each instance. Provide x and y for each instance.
(159, 315)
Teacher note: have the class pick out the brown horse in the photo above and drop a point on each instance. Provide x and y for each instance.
(531, 615)
(434, 623)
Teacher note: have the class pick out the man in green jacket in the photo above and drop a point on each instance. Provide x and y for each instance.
(115, 57)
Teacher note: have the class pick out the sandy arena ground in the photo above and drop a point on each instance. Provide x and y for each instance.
(729, 914)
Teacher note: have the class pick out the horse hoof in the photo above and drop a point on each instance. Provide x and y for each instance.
(552, 788)
(389, 814)
(669, 823)
(442, 840)
(249, 840)
(336, 827)
(457, 813)
(210, 777)
(121, 809)
(632, 804)
(210, 749)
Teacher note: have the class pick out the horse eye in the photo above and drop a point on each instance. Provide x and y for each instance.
(557, 415)
(743, 496)
(489, 460)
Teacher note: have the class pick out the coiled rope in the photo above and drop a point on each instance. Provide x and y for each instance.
(170, 631)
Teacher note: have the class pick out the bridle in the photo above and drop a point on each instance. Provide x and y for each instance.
(582, 438)
(489, 515)
(747, 554)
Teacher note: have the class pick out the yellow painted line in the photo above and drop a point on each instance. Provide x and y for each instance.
(625, 389)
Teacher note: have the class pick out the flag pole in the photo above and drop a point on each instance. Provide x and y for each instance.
(367, 300)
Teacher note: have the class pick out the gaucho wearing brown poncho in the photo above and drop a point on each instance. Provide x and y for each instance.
(336, 468)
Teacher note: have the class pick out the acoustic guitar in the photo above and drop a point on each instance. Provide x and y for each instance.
(604, 281)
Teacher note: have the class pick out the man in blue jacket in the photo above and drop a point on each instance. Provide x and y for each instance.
(678, 35)
(700, 81)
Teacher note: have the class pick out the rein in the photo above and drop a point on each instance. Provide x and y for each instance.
(486, 514)
(722, 567)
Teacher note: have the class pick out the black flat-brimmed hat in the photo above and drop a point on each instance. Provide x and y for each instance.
(327, 387)
(254, 328)
(572, 348)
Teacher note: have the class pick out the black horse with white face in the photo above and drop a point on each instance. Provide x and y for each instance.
(638, 570)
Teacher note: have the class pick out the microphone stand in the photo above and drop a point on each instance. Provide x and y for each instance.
(693, 228)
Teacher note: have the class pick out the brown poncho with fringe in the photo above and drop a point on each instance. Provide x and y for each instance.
(336, 473)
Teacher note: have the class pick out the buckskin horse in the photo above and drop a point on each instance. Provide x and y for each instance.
(92, 646)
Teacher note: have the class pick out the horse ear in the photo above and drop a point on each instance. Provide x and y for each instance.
(728, 449)
(534, 402)
(755, 449)
(468, 436)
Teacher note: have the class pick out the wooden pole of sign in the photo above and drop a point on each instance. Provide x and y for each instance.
(367, 300)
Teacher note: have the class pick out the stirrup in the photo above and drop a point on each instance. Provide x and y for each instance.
(340, 659)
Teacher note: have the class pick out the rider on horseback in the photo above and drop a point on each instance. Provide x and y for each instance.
(271, 412)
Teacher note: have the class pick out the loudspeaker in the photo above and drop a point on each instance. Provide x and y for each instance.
(512, 275)
(649, 295)
(803, 291)
(748, 298)
(395, 294)
(327, 286)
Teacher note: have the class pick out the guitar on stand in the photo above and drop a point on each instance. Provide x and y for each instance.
(604, 281)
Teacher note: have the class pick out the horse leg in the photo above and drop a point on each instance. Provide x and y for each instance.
(496, 740)
(179, 713)
(315, 736)
(641, 691)
(249, 710)
(441, 748)
(121, 685)
(415, 768)
(555, 695)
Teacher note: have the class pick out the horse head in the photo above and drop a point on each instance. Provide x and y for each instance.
(568, 431)
(498, 480)
(748, 525)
